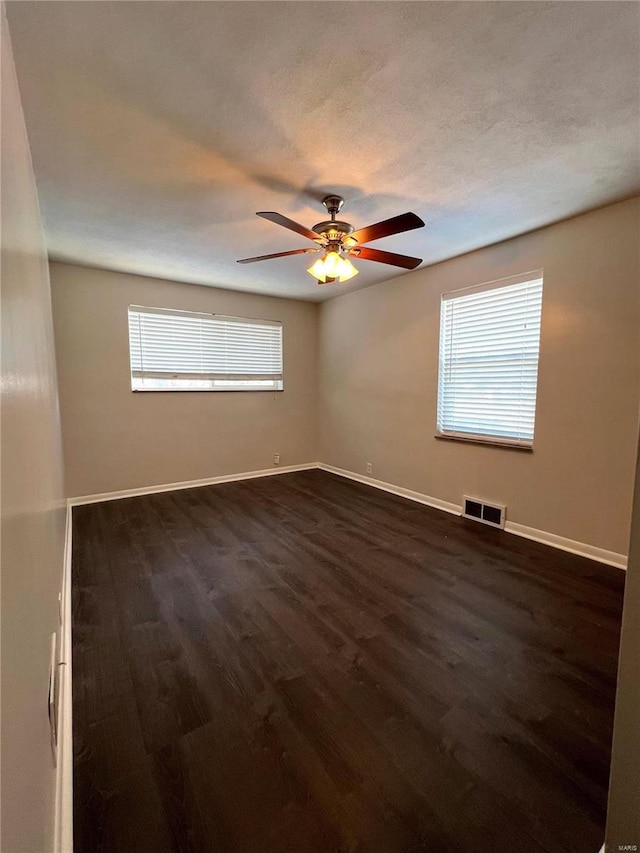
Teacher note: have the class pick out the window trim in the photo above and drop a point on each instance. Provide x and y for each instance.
(277, 379)
(487, 439)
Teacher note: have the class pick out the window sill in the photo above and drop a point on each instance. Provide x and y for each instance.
(487, 442)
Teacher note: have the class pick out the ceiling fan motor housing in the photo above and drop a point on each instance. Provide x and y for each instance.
(333, 229)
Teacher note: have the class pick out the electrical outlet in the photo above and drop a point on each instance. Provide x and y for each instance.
(276, 458)
(369, 468)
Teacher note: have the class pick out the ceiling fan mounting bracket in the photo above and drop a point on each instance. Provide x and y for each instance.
(333, 203)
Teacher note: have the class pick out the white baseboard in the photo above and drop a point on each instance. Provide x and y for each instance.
(63, 820)
(187, 484)
(611, 558)
(418, 497)
(601, 555)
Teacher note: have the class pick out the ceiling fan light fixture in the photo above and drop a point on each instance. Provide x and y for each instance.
(331, 266)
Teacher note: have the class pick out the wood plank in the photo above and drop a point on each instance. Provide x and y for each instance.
(306, 663)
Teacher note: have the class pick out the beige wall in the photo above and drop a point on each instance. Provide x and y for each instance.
(379, 370)
(32, 509)
(623, 816)
(115, 439)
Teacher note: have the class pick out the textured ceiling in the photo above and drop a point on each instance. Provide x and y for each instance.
(159, 128)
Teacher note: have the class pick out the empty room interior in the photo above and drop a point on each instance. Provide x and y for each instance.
(320, 407)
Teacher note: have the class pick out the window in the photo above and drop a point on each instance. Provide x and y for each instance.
(187, 351)
(489, 344)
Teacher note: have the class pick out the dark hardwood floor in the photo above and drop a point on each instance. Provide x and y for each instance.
(303, 663)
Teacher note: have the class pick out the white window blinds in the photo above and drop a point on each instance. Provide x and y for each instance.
(182, 350)
(489, 345)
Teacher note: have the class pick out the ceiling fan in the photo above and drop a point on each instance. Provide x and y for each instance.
(338, 241)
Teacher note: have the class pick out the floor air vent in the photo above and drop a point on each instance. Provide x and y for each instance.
(493, 514)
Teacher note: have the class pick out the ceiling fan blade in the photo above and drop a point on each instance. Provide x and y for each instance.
(279, 219)
(395, 225)
(367, 254)
(278, 255)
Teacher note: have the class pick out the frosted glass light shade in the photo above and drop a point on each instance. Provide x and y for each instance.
(317, 270)
(347, 270)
